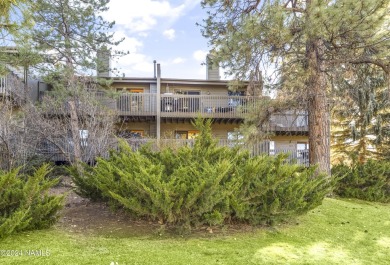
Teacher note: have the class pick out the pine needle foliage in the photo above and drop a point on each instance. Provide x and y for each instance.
(25, 203)
(273, 190)
(368, 181)
(203, 183)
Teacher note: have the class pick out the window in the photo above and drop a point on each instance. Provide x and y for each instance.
(2, 84)
(187, 104)
(83, 137)
(272, 150)
(137, 133)
(236, 99)
(303, 150)
(186, 134)
(131, 134)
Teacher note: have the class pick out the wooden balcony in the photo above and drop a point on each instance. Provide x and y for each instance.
(137, 104)
(288, 124)
(177, 107)
(207, 106)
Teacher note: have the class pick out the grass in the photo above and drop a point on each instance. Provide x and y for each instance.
(338, 232)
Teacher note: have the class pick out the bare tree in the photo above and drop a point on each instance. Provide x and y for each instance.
(75, 124)
(17, 144)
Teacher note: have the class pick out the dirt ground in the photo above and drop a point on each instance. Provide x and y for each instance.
(80, 215)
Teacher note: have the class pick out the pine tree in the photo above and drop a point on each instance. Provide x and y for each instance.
(304, 41)
(360, 115)
(67, 35)
(8, 10)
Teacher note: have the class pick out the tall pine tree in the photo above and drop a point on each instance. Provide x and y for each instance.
(360, 115)
(304, 40)
(68, 34)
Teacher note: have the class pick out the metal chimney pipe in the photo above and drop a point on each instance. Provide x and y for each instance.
(154, 62)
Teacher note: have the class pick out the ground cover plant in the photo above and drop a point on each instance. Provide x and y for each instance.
(25, 203)
(366, 181)
(337, 232)
(203, 184)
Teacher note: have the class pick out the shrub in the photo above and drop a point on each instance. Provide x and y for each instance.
(369, 181)
(203, 184)
(272, 190)
(25, 203)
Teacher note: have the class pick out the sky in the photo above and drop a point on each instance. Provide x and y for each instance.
(161, 30)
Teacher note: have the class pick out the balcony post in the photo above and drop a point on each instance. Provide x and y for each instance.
(158, 104)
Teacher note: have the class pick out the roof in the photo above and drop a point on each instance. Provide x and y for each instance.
(179, 81)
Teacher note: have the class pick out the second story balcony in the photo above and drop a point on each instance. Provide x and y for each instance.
(208, 106)
(221, 108)
(183, 106)
(218, 107)
(136, 104)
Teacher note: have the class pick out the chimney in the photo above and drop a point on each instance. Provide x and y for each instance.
(154, 67)
(103, 63)
(212, 69)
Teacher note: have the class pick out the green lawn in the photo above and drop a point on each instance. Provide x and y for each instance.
(338, 232)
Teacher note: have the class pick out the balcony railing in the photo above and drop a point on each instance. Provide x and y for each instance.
(137, 104)
(62, 150)
(300, 157)
(209, 106)
(291, 122)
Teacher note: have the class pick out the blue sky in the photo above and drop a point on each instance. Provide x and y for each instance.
(162, 30)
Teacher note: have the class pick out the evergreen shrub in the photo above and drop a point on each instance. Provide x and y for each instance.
(25, 203)
(368, 181)
(203, 183)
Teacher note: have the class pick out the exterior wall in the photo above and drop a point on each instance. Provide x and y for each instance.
(146, 127)
(219, 131)
(288, 142)
(128, 86)
(203, 89)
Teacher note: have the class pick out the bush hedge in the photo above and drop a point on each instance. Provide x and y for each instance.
(203, 184)
(368, 181)
(25, 203)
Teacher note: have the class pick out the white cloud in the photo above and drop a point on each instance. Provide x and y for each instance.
(169, 34)
(138, 16)
(149, 20)
(178, 60)
(143, 34)
(201, 72)
(131, 45)
(200, 55)
(135, 64)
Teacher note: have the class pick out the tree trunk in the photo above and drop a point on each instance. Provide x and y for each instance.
(74, 124)
(319, 119)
